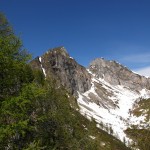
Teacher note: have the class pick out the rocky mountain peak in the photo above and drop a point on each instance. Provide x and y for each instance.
(101, 62)
(59, 51)
(58, 64)
(116, 74)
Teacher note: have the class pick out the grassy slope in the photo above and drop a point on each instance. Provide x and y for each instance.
(141, 136)
(143, 108)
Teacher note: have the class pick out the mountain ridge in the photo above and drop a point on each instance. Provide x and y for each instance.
(116, 74)
(106, 91)
(57, 63)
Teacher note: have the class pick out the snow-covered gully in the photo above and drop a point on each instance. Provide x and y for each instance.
(112, 118)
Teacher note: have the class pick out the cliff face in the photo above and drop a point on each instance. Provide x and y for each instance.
(116, 74)
(58, 64)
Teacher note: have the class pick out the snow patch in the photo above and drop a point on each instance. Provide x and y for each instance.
(40, 59)
(144, 94)
(92, 137)
(114, 120)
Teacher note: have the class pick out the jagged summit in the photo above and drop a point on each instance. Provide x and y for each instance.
(58, 64)
(116, 74)
(59, 50)
(105, 62)
(57, 60)
(99, 64)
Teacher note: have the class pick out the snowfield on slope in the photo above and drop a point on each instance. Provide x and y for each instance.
(40, 59)
(116, 119)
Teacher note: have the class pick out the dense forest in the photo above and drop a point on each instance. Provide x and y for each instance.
(34, 113)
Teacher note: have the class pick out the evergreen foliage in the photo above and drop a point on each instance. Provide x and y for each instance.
(14, 71)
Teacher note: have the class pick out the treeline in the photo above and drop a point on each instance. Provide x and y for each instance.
(34, 114)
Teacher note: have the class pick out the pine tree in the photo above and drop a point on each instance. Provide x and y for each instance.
(14, 71)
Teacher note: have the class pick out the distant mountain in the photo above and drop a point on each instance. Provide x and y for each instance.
(106, 91)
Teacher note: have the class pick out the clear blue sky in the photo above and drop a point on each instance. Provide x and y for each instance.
(113, 29)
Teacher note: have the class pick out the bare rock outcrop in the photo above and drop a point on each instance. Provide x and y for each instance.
(58, 64)
(116, 74)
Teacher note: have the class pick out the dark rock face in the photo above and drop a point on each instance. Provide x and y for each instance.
(116, 74)
(58, 64)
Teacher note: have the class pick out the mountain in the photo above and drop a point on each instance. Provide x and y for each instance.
(106, 91)
(58, 64)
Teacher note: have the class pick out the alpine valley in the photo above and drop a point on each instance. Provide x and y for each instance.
(116, 98)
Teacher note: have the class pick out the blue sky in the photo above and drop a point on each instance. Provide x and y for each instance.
(114, 29)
